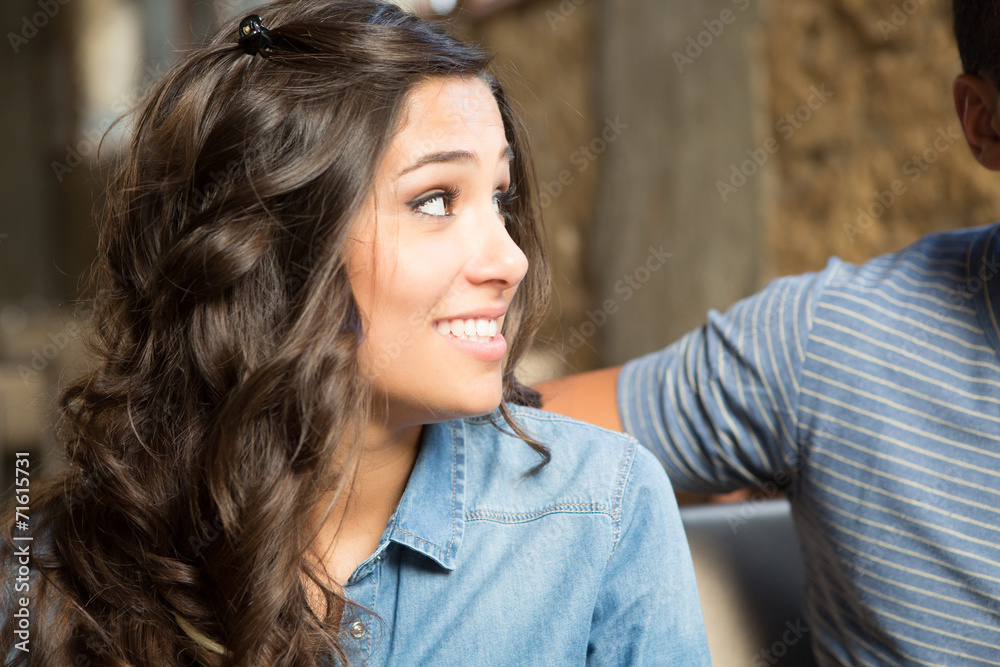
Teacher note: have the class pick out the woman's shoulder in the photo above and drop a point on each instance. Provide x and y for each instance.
(589, 465)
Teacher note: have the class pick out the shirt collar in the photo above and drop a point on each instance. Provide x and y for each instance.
(430, 517)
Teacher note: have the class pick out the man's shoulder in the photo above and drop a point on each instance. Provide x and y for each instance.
(937, 257)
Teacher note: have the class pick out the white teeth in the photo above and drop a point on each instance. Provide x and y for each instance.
(480, 330)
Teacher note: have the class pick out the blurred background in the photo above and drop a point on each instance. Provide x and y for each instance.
(687, 152)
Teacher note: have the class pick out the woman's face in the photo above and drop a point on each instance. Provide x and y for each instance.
(431, 264)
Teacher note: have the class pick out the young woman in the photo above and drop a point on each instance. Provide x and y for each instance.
(303, 442)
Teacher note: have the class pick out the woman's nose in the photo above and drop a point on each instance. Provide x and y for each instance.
(496, 257)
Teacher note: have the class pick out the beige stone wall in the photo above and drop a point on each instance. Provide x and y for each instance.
(889, 65)
(886, 141)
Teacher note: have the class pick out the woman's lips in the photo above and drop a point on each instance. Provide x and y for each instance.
(479, 337)
(478, 330)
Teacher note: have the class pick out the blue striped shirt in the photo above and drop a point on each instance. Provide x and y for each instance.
(873, 391)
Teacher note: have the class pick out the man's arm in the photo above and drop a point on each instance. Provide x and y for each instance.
(719, 406)
(589, 397)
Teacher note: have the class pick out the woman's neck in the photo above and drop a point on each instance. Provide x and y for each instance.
(351, 532)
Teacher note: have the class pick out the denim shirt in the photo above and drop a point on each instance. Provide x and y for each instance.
(584, 563)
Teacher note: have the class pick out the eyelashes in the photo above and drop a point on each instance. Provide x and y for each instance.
(439, 203)
(504, 200)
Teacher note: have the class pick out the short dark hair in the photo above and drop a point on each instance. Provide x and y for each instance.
(977, 31)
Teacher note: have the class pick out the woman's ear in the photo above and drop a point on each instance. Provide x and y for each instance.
(977, 102)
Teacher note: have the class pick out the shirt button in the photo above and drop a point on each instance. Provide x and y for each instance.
(358, 629)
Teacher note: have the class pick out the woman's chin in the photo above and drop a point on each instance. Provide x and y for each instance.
(427, 411)
(477, 408)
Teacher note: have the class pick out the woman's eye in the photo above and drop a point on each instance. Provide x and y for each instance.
(433, 206)
(502, 200)
(438, 204)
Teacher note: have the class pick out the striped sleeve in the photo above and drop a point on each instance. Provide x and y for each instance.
(718, 407)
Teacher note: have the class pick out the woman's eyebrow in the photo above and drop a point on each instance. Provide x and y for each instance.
(453, 156)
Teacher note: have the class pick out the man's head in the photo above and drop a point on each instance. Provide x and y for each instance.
(977, 31)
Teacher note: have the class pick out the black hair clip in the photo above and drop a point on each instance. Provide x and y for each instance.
(253, 35)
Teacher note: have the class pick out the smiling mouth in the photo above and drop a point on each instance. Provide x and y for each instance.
(479, 330)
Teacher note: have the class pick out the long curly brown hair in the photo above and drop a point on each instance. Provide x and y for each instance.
(226, 400)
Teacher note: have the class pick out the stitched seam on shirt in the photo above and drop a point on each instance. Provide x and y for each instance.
(371, 621)
(616, 503)
(454, 484)
(811, 304)
(522, 517)
(420, 539)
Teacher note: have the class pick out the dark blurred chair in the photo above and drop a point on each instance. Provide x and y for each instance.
(750, 581)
